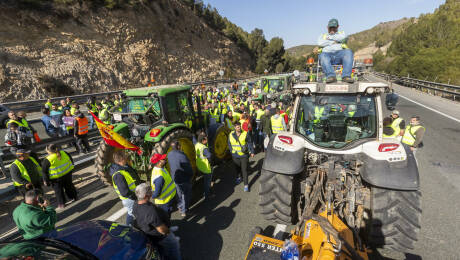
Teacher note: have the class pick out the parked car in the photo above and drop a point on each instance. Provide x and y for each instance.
(3, 116)
(98, 239)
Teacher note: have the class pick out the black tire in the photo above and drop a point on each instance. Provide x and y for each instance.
(104, 157)
(163, 147)
(219, 148)
(395, 219)
(276, 198)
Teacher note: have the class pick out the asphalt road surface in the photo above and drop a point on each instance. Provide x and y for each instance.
(220, 228)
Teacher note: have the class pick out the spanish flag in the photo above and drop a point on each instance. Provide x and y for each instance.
(112, 138)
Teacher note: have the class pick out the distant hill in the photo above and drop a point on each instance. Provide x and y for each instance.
(301, 50)
(428, 48)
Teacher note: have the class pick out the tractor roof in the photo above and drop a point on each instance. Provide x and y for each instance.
(276, 77)
(162, 90)
(336, 88)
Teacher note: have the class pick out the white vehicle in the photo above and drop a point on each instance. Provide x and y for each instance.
(335, 155)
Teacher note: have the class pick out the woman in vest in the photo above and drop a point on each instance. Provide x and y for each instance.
(25, 172)
(69, 122)
(203, 158)
(57, 171)
(81, 127)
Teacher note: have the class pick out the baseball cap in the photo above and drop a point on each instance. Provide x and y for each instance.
(395, 112)
(333, 23)
(157, 157)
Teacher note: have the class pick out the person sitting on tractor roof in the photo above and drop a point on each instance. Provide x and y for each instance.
(334, 51)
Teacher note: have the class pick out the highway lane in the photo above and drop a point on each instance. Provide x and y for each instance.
(439, 168)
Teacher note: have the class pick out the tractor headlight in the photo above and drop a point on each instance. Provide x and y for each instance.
(135, 132)
(370, 90)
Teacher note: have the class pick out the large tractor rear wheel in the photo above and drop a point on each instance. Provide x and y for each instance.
(218, 142)
(104, 158)
(395, 220)
(186, 141)
(276, 197)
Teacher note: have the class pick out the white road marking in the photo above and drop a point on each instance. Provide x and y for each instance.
(117, 214)
(279, 228)
(432, 109)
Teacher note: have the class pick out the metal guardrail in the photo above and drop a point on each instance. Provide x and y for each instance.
(434, 88)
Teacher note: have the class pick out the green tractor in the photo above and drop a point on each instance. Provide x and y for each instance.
(274, 87)
(154, 117)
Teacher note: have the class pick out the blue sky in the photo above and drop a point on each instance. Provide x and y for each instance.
(302, 21)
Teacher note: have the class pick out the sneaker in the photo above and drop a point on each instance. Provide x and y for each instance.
(331, 80)
(246, 188)
(238, 180)
(348, 80)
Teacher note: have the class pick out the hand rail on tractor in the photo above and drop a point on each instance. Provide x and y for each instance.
(434, 88)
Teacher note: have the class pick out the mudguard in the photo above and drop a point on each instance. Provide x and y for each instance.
(392, 175)
(284, 158)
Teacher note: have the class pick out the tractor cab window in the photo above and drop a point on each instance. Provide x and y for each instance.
(334, 121)
(142, 110)
(179, 108)
(275, 85)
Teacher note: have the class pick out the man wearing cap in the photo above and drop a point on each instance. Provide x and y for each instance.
(25, 172)
(334, 50)
(398, 124)
(413, 134)
(163, 186)
(241, 147)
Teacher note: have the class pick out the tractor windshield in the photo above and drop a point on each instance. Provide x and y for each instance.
(142, 110)
(276, 85)
(333, 121)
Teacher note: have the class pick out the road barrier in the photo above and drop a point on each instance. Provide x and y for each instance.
(434, 88)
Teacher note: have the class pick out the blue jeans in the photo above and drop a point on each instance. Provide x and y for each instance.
(344, 57)
(169, 247)
(128, 204)
(207, 177)
(184, 191)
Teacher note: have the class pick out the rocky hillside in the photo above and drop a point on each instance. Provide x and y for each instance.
(49, 49)
(301, 50)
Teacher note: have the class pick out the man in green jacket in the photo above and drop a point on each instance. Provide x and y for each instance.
(34, 217)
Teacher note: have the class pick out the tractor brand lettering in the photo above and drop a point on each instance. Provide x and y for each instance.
(307, 230)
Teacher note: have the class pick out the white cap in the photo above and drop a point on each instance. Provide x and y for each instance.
(395, 112)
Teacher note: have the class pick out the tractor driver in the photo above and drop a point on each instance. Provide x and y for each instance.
(333, 50)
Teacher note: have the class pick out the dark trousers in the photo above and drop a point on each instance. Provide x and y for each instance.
(184, 195)
(241, 165)
(82, 142)
(64, 185)
(22, 189)
(168, 207)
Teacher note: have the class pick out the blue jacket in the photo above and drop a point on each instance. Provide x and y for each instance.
(121, 182)
(181, 169)
(49, 128)
(332, 42)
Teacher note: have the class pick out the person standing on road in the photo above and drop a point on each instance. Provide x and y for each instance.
(25, 172)
(398, 124)
(34, 216)
(57, 172)
(155, 223)
(203, 159)
(277, 122)
(334, 51)
(241, 148)
(413, 134)
(124, 180)
(163, 187)
(181, 173)
(81, 126)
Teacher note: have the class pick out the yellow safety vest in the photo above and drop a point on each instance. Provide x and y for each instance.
(48, 105)
(23, 170)
(318, 114)
(395, 134)
(409, 134)
(168, 190)
(201, 161)
(351, 113)
(14, 121)
(129, 180)
(277, 124)
(229, 124)
(215, 114)
(58, 167)
(395, 125)
(103, 114)
(237, 147)
(72, 110)
(259, 114)
(236, 116)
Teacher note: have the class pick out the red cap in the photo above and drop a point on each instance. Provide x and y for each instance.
(157, 157)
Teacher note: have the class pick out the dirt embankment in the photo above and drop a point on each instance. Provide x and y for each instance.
(61, 50)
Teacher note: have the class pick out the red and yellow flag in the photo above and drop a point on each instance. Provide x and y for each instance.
(112, 138)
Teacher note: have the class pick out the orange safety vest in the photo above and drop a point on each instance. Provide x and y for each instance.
(82, 125)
